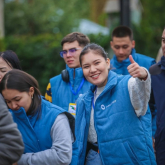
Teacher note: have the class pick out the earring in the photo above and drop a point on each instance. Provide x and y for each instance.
(32, 97)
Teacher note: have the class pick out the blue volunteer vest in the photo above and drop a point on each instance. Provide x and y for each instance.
(36, 133)
(61, 91)
(123, 138)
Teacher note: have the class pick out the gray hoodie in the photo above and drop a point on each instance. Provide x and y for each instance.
(11, 144)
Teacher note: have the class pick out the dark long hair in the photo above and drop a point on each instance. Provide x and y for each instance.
(22, 81)
(11, 59)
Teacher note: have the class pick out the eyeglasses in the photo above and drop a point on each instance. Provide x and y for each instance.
(71, 52)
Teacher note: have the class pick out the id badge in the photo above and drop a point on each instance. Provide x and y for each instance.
(72, 109)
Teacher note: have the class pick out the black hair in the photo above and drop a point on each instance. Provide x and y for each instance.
(76, 36)
(122, 31)
(22, 81)
(95, 48)
(11, 59)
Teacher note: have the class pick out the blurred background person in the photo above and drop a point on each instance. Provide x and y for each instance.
(123, 45)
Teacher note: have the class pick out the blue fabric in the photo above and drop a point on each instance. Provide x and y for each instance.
(121, 67)
(36, 133)
(158, 86)
(61, 92)
(74, 153)
(34, 138)
(93, 158)
(123, 138)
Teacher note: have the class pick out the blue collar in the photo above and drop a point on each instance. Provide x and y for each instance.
(21, 114)
(78, 73)
(112, 81)
(79, 88)
(125, 62)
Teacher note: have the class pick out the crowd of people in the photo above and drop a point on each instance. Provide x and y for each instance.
(97, 111)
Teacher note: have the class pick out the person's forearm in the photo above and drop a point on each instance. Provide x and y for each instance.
(139, 91)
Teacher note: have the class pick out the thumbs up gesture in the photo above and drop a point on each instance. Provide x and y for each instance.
(135, 70)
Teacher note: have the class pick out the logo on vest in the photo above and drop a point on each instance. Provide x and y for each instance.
(80, 95)
(102, 107)
(111, 103)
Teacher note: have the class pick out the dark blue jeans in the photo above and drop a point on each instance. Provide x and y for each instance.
(93, 158)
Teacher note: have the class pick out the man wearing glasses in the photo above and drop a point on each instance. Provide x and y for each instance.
(64, 89)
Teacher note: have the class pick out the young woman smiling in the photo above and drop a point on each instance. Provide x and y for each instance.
(112, 121)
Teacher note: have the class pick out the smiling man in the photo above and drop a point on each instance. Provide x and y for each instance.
(64, 89)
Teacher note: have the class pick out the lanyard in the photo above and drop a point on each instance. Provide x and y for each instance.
(80, 86)
(93, 105)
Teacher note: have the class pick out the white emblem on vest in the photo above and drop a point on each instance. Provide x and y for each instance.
(102, 107)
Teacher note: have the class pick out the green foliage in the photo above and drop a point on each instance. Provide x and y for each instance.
(39, 55)
(148, 34)
(2, 45)
(40, 16)
(100, 39)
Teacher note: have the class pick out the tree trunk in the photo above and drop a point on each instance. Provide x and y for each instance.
(97, 7)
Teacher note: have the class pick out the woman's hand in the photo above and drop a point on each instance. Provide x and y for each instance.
(135, 70)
